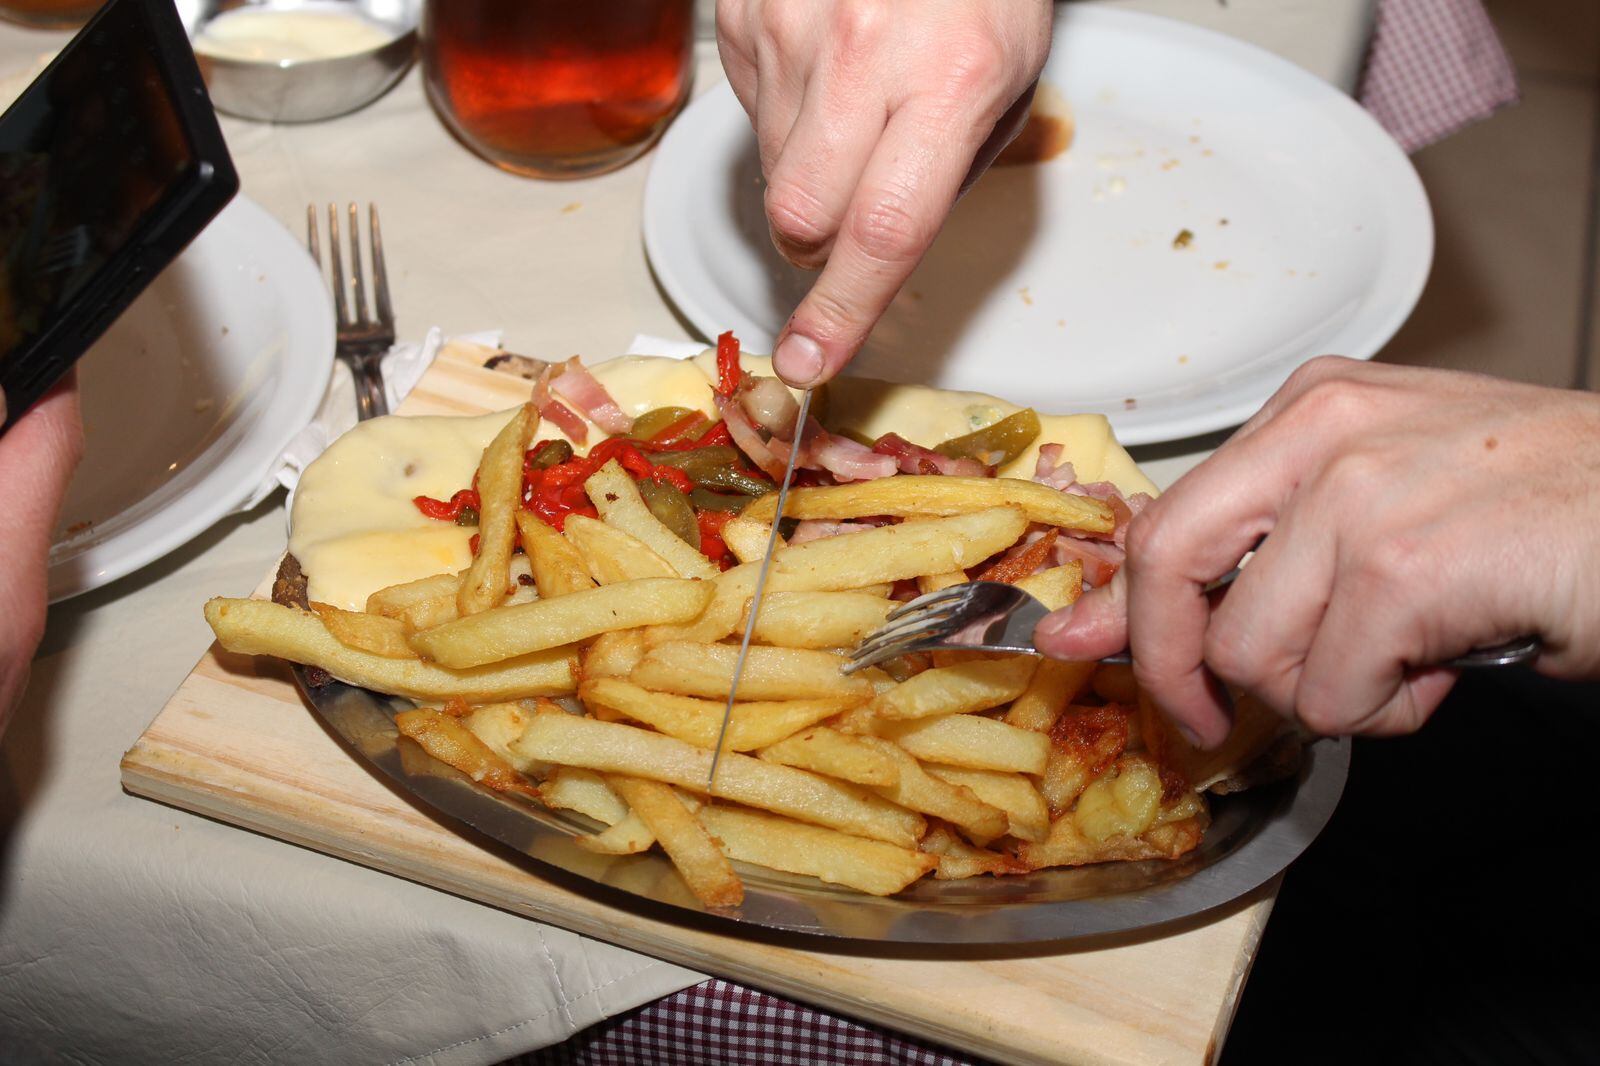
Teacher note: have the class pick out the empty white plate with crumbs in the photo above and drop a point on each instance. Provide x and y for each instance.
(1220, 217)
(189, 398)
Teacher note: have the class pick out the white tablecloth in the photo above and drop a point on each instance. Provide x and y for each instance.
(132, 932)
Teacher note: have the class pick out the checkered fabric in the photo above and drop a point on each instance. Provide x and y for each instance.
(719, 1023)
(1434, 67)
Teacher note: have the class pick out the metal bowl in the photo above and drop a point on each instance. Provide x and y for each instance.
(306, 90)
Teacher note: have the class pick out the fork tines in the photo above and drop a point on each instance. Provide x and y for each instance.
(929, 619)
(352, 309)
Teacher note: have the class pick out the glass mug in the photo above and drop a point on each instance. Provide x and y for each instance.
(558, 88)
(49, 14)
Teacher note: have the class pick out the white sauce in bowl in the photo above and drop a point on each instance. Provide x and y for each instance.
(270, 35)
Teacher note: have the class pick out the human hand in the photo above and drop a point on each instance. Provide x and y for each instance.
(1410, 515)
(872, 117)
(37, 457)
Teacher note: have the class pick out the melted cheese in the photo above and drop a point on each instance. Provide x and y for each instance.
(355, 528)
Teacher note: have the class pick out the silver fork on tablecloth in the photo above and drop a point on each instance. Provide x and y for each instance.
(362, 340)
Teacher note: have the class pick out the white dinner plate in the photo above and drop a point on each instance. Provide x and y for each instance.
(1061, 282)
(190, 397)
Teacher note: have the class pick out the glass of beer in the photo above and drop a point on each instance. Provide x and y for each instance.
(49, 14)
(558, 88)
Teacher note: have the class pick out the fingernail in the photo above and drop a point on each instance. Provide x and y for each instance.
(798, 360)
(1190, 735)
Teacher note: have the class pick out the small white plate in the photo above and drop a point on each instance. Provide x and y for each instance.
(1060, 282)
(190, 397)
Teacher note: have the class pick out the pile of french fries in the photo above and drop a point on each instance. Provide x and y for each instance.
(957, 764)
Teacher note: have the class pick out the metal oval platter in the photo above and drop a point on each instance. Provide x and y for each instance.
(1254, 835)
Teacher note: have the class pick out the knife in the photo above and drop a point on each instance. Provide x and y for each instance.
(761, 586)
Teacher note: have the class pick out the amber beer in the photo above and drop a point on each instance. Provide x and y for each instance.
(54, 14)
(558, 88)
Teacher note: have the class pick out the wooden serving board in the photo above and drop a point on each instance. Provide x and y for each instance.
(237, 744)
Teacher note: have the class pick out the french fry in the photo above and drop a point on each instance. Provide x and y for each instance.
(915, 495)
(556, 565)
(612, 654)
(1053, 685)
(959, 859)
(835, 754)
(501, 634)
(918, 790)
(425, 614)
(1027, 814)
(1084, 743)
(621, 506)
(257, 627)
(630, 836)
(970, 740)
(838, 564)
(497, 725)
(754, 724)
(1067, 845)
(395, 599)
(769, 673)
(893, 553)
(500, 488)
(572, 788)
(1123, 802)
(966, 687)
(817, 619)
(1055, 586)
(612, 747)
(366, 632)
(747, 539)
(610, 555)
(452, 743)
(705, 869)
(870, 866)
(934, 582)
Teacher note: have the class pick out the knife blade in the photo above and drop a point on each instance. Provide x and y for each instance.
(761, 586)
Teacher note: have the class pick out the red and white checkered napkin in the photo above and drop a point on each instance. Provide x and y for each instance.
(718, 1023)
(1434, 67)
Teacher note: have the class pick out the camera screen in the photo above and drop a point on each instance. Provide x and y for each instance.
(86, 154)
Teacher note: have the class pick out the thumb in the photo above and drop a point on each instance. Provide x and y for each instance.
(1093, 628)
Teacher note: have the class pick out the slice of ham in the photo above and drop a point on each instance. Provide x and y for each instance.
(583, 390)
(915, 459)
(565, 419)
(1050, 470)
(1101, 560)
(747, 438)
(1059, 475)
(817, 529)
(842, 457)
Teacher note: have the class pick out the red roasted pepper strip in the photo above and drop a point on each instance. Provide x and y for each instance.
(711, 544)
(448, 510)
(728, 372)
(717, 434)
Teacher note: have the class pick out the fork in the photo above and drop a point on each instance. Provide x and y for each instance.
(361, 340)
(952, 617)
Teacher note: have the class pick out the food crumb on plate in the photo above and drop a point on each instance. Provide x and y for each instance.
(1027, 298)
(575, 205)
(1183, 239)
